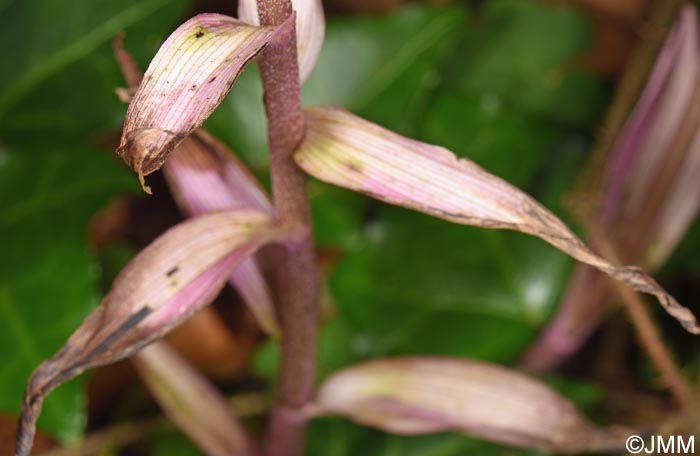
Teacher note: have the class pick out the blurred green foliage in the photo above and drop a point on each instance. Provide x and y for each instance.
(490, 85)
(54, 104)
(62, 85)
(335, 437)
(48, 276)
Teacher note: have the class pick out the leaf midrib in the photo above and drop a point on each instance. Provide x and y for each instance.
(74, 51)
(407, 54)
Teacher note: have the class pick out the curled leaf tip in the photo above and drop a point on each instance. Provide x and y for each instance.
(142, 180)
(187, 79)
(343, 149)
(640, 281)
(146, 149)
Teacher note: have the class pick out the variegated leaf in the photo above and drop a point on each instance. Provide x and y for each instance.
(180, 272)
(345, 150)
(421, 395)
(188, 78)
(205, 176)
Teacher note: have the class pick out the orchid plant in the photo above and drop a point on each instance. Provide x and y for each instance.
(232, 218)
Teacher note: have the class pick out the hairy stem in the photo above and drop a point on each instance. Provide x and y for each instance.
(648, 333)
(297, 272)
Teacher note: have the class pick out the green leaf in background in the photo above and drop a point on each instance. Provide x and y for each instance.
(61, 91)
(384, 69)
(337, 437)
(506, 141)
(527, 52)
(47, 274)
(339, 345)
(173, 444)
(424, 286)
(75, 100)
(337, 215)
(41, 37)
(240, 120)
(685, 256)
(585, 395)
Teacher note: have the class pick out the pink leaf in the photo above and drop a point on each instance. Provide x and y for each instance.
(187, 79)
(192, 402)
(345, 150)
(205, 176)
(179, 273)
(421, 395)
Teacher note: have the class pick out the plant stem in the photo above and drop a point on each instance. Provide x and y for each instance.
(647, 331)
(297, 272)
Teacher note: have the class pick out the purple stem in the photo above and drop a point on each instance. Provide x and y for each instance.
(297, 273)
